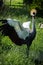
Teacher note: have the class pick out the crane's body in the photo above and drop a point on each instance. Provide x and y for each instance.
(19, 34)
(21, 31)
(23, 34)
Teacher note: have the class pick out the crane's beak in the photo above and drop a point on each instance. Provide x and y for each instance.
(33, 12)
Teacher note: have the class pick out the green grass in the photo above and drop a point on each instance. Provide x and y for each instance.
(11, 54)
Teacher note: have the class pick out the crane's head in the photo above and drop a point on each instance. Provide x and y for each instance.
(33, 12)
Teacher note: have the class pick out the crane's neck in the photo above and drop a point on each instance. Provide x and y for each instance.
(33, 24)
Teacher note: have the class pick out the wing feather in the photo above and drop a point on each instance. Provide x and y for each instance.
(10, 25)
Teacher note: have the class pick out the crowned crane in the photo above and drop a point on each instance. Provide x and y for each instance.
(19, 34)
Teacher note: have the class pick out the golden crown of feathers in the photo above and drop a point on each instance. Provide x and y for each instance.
(33, 12)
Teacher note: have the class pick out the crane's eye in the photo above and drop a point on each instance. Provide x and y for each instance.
(33, 13)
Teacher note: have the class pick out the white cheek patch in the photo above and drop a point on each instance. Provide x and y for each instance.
(26, 24)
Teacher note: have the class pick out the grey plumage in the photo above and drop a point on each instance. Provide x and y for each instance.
(20, 31)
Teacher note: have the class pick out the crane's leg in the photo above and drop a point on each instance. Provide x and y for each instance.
(27, 50)
(28, 47)
(27, 53)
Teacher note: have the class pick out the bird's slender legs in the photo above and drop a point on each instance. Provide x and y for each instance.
(27, 50)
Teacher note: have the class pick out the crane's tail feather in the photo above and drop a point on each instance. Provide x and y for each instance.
(3, 21)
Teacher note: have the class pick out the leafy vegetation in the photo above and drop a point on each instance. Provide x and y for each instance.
(34, 3)
(10, 53)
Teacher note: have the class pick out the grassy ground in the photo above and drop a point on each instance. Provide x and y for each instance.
(11, 54)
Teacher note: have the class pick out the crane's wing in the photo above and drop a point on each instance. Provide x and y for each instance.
(26, 24)
(14, 24)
